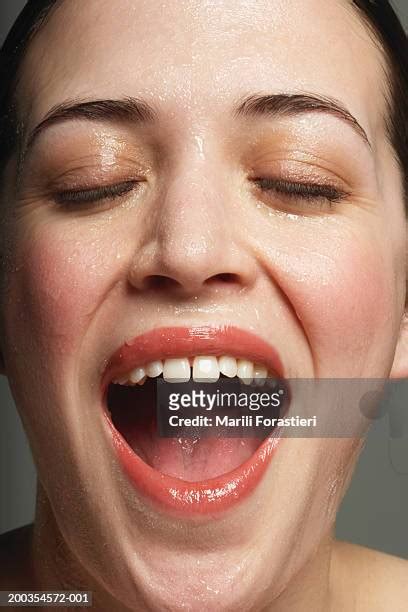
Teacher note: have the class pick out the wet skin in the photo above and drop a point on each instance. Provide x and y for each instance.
(193, 237)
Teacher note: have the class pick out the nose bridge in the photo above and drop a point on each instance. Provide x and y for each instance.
(193, 208)
(193, 240)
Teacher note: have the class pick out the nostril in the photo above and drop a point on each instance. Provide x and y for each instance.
(223, 278)
(159, 282)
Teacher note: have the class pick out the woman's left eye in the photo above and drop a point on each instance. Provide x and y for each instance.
(310, 192)
(94, 194)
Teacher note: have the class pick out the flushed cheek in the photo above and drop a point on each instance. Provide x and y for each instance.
(56, 286)
(342, 294)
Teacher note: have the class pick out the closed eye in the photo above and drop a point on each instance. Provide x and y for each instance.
(95, 194)
(304, 191)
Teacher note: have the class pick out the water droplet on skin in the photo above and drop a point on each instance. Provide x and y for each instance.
(199, 142)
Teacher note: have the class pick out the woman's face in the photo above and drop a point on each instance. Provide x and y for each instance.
(193, 238)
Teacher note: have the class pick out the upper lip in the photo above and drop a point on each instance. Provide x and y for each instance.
(164, 342)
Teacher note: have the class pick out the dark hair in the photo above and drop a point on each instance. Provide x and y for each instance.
(378, 15)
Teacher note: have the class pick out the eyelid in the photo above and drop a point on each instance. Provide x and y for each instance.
(57, 173)
(95, 194)
(84, 176)
(304, 190)
(303, 167)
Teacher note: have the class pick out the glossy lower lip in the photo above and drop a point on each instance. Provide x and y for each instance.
(189, 499)
(172, 495)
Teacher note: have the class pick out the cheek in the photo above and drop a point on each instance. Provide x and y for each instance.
(347, 296)
(58, 281)
(342, 288)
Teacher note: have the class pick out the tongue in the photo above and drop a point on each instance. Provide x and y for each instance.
(192, 459)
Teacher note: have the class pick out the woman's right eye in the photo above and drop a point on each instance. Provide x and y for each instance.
(94, 195)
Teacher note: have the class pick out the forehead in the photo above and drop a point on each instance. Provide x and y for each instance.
(194, 57)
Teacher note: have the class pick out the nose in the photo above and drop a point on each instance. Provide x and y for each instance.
(194, 240)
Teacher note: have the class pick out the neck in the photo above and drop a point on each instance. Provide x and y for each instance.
(55, 567)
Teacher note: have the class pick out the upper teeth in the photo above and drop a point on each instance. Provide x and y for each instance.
(206, 368)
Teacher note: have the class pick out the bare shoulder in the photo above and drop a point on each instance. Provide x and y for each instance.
(14, 546)
(379, 580)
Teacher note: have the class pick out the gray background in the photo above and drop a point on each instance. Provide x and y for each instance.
(374, 512)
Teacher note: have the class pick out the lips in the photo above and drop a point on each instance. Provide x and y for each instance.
(185, 477)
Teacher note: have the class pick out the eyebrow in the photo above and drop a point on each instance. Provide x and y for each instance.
(125, 109)
(252, 106)
(286, 105)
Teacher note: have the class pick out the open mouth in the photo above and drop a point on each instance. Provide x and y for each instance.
(188, 474)
(132, 401)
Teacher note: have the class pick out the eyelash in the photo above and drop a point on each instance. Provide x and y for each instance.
(289, 189)
(305, 191)
(96, 194)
